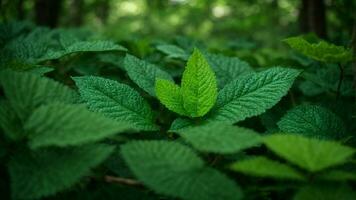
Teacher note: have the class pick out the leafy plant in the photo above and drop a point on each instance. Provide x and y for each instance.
(86, 118)
(198, 91)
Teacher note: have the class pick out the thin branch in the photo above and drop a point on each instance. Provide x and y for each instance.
(292, 98)
(341, 77)
(353, 47)
(123, 181)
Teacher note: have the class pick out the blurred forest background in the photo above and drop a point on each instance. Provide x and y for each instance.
(240, 24)
(234, 27)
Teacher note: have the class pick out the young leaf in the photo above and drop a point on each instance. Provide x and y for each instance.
(172, 169)
(117, 101)
(45, 172)
(170, 95)
(313, 121)
(252, 94)
(321, 51)
(26, 91)
(264, 167)
(67, 125)
(199, 87)
(220, 138)
(226, 68)
(144, 74)
(308, 153)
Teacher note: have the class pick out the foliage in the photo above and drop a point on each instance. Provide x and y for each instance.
(85, 117)
(321, 51)
(198, 90)
(252, 94)
(116, 100)
(179, 172)
(314, 121)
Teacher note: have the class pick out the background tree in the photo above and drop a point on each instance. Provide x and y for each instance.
(47, 12)
(312, 17)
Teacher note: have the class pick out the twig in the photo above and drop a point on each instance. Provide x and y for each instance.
(292, 98)
(353, 47)
(124, 181)
(341, 77)
(215, 160)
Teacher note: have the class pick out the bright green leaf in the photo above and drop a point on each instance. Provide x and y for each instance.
(309, 153)
(170, 95)
(117, 101)
(199, 87)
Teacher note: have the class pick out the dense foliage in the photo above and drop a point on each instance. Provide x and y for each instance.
(86, 117)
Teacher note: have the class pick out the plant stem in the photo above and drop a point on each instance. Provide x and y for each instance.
(353, 47)
(197, 120)
(341, 77)
(124, 181)
(292, 99)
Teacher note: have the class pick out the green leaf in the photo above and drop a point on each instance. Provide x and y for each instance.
(325, 192)
(40, 70)
(309, 153)
(9, 122)
(263, 167)
(310, 88)
(321, 51)
(113, 59)
(313, 121)
(220, 138)
(337, 175)
(117, 101)
(181, 123)
(26, 49)
(26, 92)
(198, 86)
(226, 68)
(67, 125)
(326, 80)
(252, 94)
(170, 95)
(173, 51)
(144, 74)
(172, 169)
(43, 173)
(82, 46)
(9, 30)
